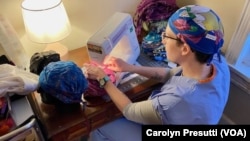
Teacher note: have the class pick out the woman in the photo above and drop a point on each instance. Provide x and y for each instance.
(196, 92)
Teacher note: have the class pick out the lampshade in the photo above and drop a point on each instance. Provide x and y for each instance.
(45, 21)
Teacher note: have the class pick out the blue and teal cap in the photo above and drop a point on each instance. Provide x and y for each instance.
(63, 80)
(198, 26)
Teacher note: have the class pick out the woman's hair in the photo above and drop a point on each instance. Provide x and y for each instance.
(202, 57)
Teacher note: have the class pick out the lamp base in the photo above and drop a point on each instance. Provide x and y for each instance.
(58, 48)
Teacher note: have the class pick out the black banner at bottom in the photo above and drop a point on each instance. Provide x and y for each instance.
(178, 132)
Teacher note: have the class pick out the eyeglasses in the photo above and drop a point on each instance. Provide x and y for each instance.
(163, 36)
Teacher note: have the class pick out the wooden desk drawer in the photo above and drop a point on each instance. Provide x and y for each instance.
(72, 134)
(105, 115)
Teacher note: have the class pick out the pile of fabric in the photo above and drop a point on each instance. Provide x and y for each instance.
(150, 11)
(151, 45)
(151, 19)
(16, 80)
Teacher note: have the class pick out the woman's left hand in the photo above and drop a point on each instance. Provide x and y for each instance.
(93, 71)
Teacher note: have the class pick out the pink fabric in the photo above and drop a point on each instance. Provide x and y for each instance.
(94, 89)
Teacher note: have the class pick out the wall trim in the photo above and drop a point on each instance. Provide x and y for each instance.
(239, 79)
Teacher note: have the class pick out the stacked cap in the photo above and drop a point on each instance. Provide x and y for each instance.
(63, 80)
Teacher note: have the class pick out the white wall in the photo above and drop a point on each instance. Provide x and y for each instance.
(86, 16)
(228, 10)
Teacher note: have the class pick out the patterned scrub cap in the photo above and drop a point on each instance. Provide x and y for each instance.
(200, 27)
(63, 80)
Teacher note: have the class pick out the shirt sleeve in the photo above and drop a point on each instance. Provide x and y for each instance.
(142, 112)
(172, 72)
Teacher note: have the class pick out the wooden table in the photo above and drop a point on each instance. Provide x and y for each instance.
(58, 126)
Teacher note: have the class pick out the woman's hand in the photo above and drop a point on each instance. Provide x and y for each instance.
(116, 64)
(93, 71)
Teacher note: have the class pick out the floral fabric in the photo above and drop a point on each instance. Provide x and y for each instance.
(199, 27)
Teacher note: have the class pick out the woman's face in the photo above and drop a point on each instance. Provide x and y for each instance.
(172, 47)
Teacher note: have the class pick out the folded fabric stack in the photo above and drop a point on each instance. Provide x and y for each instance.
(159, 53)
(153, 47)
(151, 42)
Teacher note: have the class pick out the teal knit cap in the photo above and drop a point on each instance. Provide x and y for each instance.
(63, 80)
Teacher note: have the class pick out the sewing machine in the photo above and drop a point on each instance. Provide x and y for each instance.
(117, 38)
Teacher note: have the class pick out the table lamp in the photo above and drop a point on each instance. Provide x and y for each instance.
(46, 21)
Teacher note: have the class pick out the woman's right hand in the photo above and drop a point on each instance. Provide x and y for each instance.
(116, 64)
